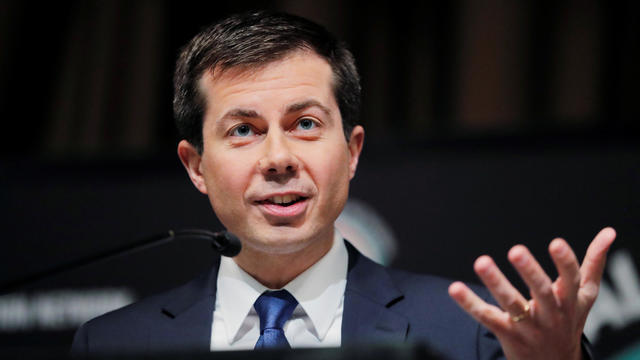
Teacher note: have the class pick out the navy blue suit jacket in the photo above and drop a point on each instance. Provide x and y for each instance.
(381, 305)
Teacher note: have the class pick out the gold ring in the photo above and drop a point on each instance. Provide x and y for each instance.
(523, 315)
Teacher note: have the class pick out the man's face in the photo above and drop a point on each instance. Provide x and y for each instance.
(275, 164)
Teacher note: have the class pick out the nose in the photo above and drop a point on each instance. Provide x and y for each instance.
(278, 158)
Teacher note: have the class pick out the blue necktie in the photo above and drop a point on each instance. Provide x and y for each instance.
(274, 309)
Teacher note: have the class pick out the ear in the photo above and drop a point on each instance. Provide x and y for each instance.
(356, 140)
(192, 161)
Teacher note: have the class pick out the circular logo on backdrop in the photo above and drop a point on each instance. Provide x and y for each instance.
(367, 231)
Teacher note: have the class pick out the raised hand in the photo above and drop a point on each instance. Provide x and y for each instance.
(550, 324)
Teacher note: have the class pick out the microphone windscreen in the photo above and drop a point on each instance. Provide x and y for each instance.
(230, 245)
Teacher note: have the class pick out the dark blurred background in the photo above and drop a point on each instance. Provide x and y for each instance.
(488, 123)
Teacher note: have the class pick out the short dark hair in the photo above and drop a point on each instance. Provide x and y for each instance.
(252, 40)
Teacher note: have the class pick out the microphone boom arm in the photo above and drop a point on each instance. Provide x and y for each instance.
(223, 242)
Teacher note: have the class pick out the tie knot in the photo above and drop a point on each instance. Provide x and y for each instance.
(274, 309)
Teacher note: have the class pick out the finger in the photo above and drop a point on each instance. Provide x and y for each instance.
(505, 294)
(568, 281)
(593, 263)
(536, 279)
(490, 316)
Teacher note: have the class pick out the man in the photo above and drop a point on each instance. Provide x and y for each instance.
(266, 104)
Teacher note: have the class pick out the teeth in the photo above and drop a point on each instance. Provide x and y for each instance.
(285, 199)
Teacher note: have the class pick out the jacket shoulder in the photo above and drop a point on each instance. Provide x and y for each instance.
(433, 318)
(131, 328)
(120, 329)
(436, 319)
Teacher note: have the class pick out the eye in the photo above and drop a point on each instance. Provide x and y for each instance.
(306, 124)
(242, 130)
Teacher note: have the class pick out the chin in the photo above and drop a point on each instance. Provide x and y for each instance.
(282, 240)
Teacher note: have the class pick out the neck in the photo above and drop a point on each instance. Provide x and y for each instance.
(275, 270)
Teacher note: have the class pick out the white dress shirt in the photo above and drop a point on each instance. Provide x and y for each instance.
(316, 321)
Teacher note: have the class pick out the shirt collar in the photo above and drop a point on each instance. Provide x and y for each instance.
(319, 290)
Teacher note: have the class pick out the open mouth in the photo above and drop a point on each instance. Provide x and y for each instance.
(284, 200)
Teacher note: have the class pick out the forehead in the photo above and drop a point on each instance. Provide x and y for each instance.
(299, 75)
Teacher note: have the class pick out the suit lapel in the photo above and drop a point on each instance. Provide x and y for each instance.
(188, 315)
(369, 298)
(368, 313)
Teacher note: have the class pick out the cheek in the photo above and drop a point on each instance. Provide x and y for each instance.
(227, 180)
(333, 177)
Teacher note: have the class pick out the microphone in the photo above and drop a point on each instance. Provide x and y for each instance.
(223, 242)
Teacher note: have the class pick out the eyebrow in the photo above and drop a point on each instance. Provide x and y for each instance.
(305, 105)
(252, 114)
(241, 113)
